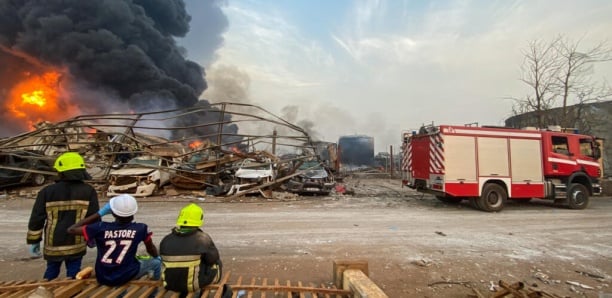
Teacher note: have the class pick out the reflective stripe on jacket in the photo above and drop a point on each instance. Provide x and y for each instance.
(190, 260)
(57, 207)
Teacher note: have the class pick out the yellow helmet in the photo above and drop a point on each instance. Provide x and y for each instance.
(69, 161)
(191, 216)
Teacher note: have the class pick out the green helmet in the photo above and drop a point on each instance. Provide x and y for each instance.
(191, 216)
(69, 161)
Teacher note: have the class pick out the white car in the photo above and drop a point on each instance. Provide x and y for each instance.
(252, 174)
(140, 177)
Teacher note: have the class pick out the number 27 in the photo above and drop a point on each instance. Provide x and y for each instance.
(112, 245)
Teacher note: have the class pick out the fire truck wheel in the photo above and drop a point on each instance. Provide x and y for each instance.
(474, 203)
(577, 196)
(493, 198)
(449, 200)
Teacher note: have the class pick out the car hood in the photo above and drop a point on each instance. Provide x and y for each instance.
(252, 174)
(132, 171)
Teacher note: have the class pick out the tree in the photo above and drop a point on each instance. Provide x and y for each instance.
(561, 76)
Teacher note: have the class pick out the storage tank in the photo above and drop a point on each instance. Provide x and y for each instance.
(356, 151)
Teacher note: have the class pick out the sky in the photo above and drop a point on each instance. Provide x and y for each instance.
(379, 68)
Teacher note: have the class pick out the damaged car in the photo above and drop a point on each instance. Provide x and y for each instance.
(311, 178)
(252, 176)
(141, 176)
(24, 168)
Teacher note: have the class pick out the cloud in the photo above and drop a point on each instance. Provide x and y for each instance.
(386, 66)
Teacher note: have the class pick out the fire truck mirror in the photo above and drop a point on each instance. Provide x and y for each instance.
(596, 152)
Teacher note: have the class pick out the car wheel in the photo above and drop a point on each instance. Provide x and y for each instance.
(577, 196)
(493, 198)
(38, 179)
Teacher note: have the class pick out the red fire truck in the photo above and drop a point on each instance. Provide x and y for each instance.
(488, 165)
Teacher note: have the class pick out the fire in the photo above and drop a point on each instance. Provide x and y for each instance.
(37, 98)
(195, 144)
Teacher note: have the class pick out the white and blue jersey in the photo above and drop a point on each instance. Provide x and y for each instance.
(117, 245)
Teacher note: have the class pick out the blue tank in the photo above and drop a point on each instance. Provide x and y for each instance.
(357, 150)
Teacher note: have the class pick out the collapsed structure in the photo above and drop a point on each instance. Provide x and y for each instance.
(139, 153)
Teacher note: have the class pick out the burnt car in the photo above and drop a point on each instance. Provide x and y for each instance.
(142, 176)
(311, 178)
(251, 175)
(24, 168)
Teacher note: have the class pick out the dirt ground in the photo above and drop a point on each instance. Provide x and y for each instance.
(415, 245)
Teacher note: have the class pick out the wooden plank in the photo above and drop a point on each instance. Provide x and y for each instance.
(264, 283)
(69, 290)
(89, 289)
(219, 286)
(114, 292)
(133, 290)
(301, 293)
(289, 294)
(101, 291)
(279, 288)
(238, 282)
(148, 291)
(276, 284)
(161, 292)
(250, 293)
(205, 292)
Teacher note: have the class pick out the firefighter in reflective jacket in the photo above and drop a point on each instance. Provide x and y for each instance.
(57, 207)
(190, 259)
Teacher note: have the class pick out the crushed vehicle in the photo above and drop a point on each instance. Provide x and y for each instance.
(24, 168)
(252, 176)
(311, 178)
(141, 176)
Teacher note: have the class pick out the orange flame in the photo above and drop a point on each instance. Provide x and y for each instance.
(195, 144)
(37, 99)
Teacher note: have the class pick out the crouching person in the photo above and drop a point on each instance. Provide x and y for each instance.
(117, 243)
(190, 258)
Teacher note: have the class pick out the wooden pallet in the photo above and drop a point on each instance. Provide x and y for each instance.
(67, 288)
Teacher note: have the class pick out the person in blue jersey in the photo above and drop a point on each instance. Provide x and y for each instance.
(117, 243)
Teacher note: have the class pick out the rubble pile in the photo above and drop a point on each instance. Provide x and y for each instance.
(248, 150)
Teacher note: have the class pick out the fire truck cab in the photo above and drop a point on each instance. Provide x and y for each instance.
(489, 165)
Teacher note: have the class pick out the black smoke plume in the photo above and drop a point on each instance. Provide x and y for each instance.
(125, 48)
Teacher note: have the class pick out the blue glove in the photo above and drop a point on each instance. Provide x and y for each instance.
(35, 250)
(105, 210)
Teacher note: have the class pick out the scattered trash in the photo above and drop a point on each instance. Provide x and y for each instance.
(422, 262)
(541, 276)
(492, 286)
(575, 283)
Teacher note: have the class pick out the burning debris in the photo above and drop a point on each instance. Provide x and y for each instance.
(61, 59)
(139, 153)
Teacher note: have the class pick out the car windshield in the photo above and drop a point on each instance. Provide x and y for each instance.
(310, 165)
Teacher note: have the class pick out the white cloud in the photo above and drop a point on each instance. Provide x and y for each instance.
(449, 62)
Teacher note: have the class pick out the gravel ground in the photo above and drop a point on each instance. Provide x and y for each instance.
(415, 245)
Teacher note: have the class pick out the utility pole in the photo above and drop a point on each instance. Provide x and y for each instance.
(392, 165)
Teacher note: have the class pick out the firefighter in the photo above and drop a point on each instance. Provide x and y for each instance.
(189, 256)
(117, 243)
(58, 206)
